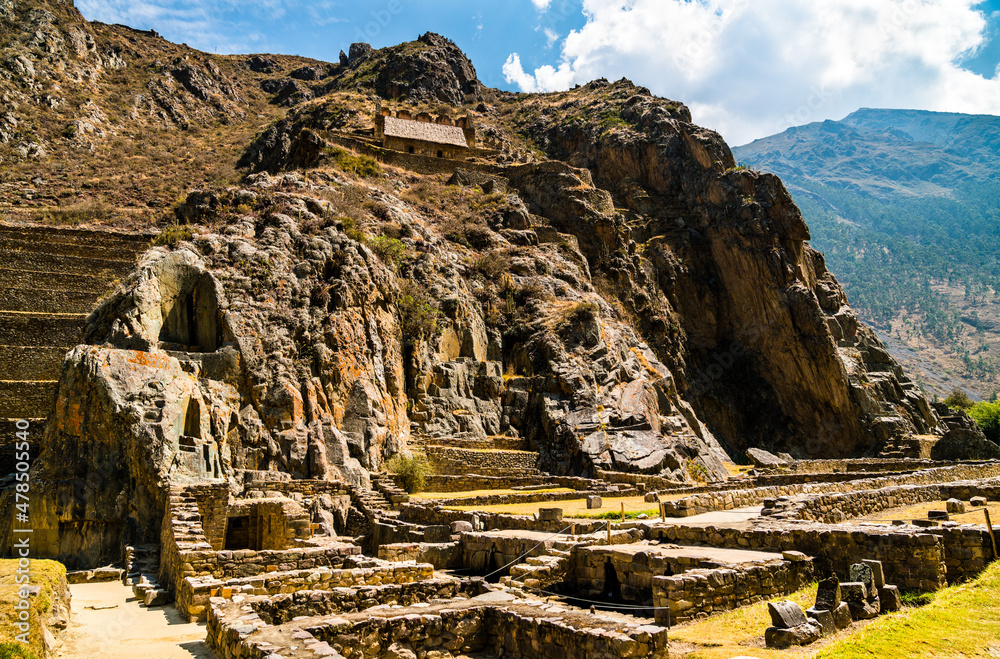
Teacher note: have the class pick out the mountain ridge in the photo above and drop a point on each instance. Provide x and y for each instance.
(903, 204)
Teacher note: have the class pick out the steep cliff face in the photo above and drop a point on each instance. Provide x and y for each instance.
(769, 351)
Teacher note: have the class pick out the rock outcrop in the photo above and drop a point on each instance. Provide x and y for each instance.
(714, 262)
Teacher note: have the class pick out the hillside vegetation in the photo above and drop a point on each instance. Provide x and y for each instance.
(906, 207)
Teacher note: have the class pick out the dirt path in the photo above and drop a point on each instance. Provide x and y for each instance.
(108, 623)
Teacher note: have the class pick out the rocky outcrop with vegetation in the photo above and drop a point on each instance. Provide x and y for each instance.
(605, 286)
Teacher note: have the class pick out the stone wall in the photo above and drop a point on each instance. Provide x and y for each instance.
(681, 597)
(447, 460)
(486, 552)
(418, 514)
(473, 482)
(636, 572)
(727, 500)
(913, 561)
(835, 507)
(862, 465)
(532, 497)
(212, 501)
(282, 608)
(513, 631)
(194, 593)
(441, 555)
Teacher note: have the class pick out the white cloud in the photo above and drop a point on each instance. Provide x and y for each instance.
(514, 73)
(551, 36)
(204, 24)
(750, 68)
(541, 5)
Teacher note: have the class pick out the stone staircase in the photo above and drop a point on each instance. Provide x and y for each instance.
(51, 279)
(543, 571)
(372, 503)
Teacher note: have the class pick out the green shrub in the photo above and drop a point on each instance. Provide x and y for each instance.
(359, 165)
(392, 251)
(987, 415)
(958, 400)
(412, 468)
(697, 471)
(418, 313)
(173, 234)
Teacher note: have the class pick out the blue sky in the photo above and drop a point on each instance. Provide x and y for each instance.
(747, 68)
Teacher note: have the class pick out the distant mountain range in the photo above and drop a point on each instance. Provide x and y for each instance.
(906, 206)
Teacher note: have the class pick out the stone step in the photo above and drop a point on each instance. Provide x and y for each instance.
(83, 265)
(31, 362)
(26, 399)
(11, 278)
(39, 329)
(96, 237)
(115, 251)
(48, 301)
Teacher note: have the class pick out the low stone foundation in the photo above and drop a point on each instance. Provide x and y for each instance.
(703, 591)
(914, 561)
(194, 593)
(519, 629)
(637, 566)
(533, 497)
(283, 608)
(728, 500)
(418, 514)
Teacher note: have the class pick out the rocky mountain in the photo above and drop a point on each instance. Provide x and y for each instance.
(904, 205)
(597, 278)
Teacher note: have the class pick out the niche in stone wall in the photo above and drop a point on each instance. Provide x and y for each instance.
(190, 314)
(238, 533)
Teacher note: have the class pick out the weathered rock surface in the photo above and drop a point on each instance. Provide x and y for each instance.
(761, 458)
(804, 634)
(785, 614)
(755, 329)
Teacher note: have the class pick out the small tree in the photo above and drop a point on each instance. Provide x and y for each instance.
(418, 313)
(958, 400)
(987, 415)
(412, 468)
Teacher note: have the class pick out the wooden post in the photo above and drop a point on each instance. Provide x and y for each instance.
(623, 512)
(663, 512)
(989, 527)
(609, 532)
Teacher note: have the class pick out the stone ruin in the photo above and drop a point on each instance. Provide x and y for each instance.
(421, 578)
(238, 519)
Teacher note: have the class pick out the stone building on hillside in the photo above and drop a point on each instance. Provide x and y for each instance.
(425, 135)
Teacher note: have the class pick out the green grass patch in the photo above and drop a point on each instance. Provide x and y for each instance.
(357, 164)
(959, 621)
(173, 234)
(47, 574)
(737, 633)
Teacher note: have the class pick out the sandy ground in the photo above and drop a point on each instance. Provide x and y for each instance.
(108, 623)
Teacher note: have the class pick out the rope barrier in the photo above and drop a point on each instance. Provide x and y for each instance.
(518, 559)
